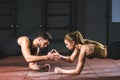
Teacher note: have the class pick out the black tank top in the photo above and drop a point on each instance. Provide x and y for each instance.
(11, 47)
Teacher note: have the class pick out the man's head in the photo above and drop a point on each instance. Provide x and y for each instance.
(44, 39)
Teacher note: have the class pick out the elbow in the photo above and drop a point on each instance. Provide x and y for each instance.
(77, 72)
(28, 59)
(71, 60)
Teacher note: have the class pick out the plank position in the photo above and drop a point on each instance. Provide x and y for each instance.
(29, 48)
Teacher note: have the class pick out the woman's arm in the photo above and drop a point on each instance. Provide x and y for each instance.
(70, 58)
(79, 67)
(25, 43)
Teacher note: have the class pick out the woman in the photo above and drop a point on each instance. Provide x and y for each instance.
(82, 49)
(28, 48)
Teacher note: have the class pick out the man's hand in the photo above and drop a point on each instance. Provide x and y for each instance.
(56, 55)
(50, 55)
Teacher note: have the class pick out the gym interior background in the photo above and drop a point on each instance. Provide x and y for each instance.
(95, 19)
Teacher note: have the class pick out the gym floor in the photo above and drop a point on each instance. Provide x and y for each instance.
(15, 68)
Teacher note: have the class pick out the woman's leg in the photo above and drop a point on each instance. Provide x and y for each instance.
(114, 50)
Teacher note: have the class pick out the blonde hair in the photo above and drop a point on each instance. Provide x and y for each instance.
(75, 36)
(88, 41)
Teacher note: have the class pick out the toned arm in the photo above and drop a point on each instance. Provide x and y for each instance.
(80, 64)
(70, 58)
(25, 43)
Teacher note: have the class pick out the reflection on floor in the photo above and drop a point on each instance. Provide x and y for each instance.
(15, 68)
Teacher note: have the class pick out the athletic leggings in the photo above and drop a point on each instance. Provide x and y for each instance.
(113, 50)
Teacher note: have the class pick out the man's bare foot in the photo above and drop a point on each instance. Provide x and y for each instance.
(34, 66)
(46, 67)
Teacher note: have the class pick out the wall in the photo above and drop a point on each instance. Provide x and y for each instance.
(95, 20)
(81, 6)
(114, 21)
(91, 18)
(28, 17)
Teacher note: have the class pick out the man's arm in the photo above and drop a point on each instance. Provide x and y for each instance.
(27, 53)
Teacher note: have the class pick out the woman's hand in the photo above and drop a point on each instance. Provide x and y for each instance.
(57, 70)
(56, 54)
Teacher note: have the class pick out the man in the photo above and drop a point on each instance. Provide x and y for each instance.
(28, 48)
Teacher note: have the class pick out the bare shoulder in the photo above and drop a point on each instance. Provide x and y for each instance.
(89, 48)
(89, 45)
(23, 39)
(84, 46)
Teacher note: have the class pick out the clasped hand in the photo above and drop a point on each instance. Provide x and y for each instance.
(53, 55)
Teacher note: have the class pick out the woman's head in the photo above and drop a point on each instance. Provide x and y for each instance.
(72, 39)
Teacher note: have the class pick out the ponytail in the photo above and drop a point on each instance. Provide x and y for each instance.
(79, 37)
(75, 36)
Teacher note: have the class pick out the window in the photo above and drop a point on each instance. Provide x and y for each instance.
(115, 10)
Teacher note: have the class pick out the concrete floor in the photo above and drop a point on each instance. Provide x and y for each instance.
(15, 68)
